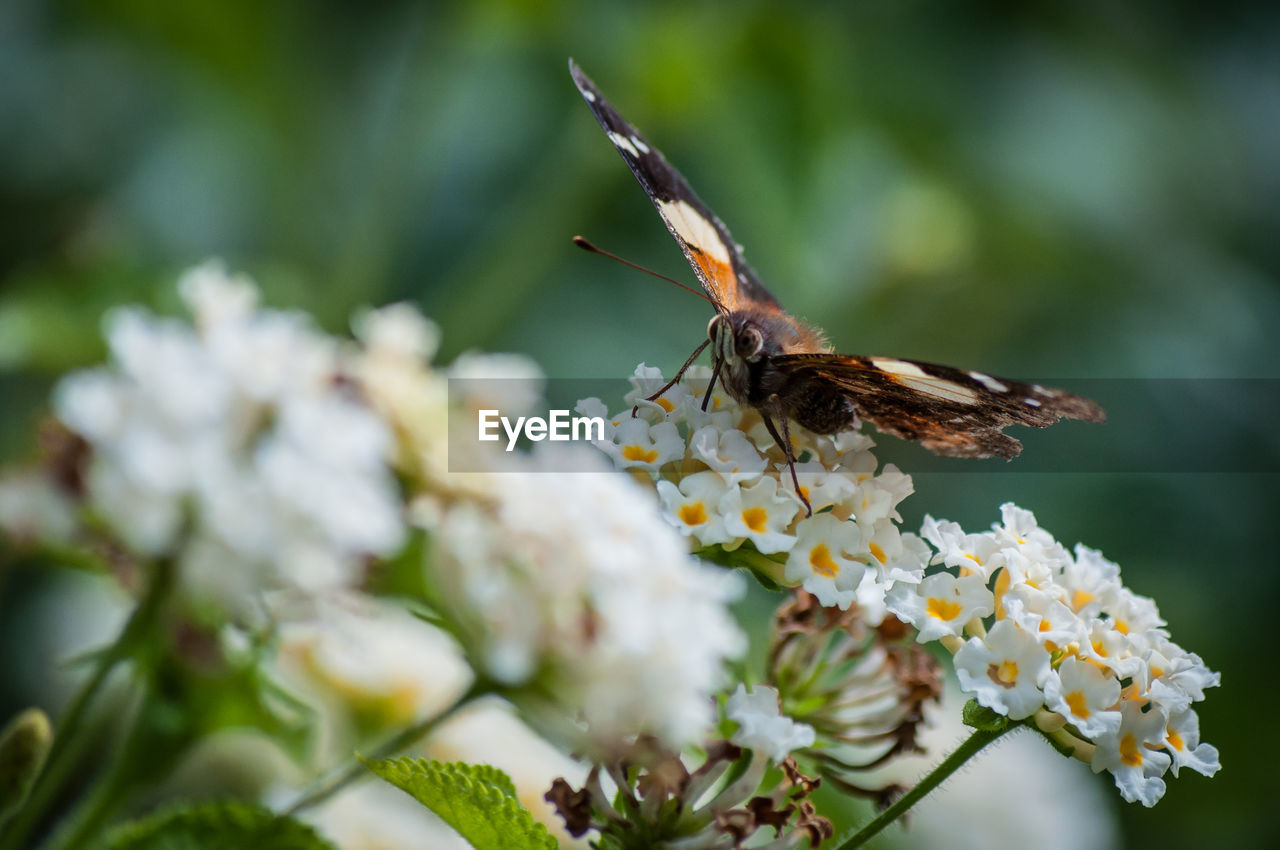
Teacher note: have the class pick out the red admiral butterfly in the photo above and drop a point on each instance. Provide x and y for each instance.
(783, 368)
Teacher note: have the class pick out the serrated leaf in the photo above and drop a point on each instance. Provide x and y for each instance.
(216, 826)
(477, 800)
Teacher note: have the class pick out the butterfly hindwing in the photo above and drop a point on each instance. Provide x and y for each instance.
(716, 258)
(949, 411)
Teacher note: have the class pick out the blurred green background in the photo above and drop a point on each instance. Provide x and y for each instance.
(1084, 190)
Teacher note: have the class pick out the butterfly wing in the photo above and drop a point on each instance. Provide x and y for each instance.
(715, 257)
(949, 411)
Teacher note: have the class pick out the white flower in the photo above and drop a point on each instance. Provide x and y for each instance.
(760, 513)
(979, 553)
(214, 296)
(1137, 768)
(1005, 671)
(372, 659)
(942, 604)
(762, 726)
(729, 453)
(826, 559)
(692, 506)
(637, 444)
(398, 331)
(1182, 742)
(511, 383)
(1085, 696)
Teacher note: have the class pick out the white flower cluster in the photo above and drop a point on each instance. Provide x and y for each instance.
(235, 447)
(1060, 638)
(573, 583)
(566, 585)
(724, 482)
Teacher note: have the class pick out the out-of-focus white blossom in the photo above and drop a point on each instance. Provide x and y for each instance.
(365, 659)
(234, 447)
(762, 725)
(379, 816)
(34, 508)
(577, 583)
(490, 733)
(1057, 636)
(1016, 794)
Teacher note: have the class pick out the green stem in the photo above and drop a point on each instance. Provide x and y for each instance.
(58, 767)
(963, 753)
(403, 739)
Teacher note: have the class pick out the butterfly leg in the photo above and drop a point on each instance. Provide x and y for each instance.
(784, 440)
(679, 374)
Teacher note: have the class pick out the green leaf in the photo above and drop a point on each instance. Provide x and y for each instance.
(216, 826)
(982, 718)
(477, 800)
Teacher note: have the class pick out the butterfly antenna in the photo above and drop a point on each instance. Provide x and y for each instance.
(582, 243)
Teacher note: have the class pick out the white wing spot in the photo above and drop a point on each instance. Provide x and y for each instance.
(690, 226)
(989, 382)
(1033, 402)
(911, 375)
(639, 143)
(1046, 391)
(589, 95)
(623, 143)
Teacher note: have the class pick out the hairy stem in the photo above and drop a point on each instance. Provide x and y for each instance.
(963, 753)
(356, 769)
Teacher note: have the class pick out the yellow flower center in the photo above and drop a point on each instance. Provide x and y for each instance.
(1129, 753)
(1080, 598)
(1175, 740)
(1075, 701)
(755, 519)
(639, 453)
(694, 514)
(941, 609)
(666, 405)
(877, 552)
(1008, 672)
(821, 561)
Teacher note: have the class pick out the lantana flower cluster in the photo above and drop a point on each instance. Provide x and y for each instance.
(1038, 632)
(568, 592)
(234, 448)
(725, 485)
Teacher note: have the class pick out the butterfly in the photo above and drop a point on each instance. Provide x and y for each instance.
(768, 359)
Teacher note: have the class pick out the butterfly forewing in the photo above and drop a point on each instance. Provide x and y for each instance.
(715, 257)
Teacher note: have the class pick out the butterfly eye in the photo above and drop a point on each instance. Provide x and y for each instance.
(750, 343)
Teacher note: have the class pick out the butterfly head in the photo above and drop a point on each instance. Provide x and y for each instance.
(735, 337)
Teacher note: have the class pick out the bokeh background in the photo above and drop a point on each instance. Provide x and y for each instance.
(1082, 191)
